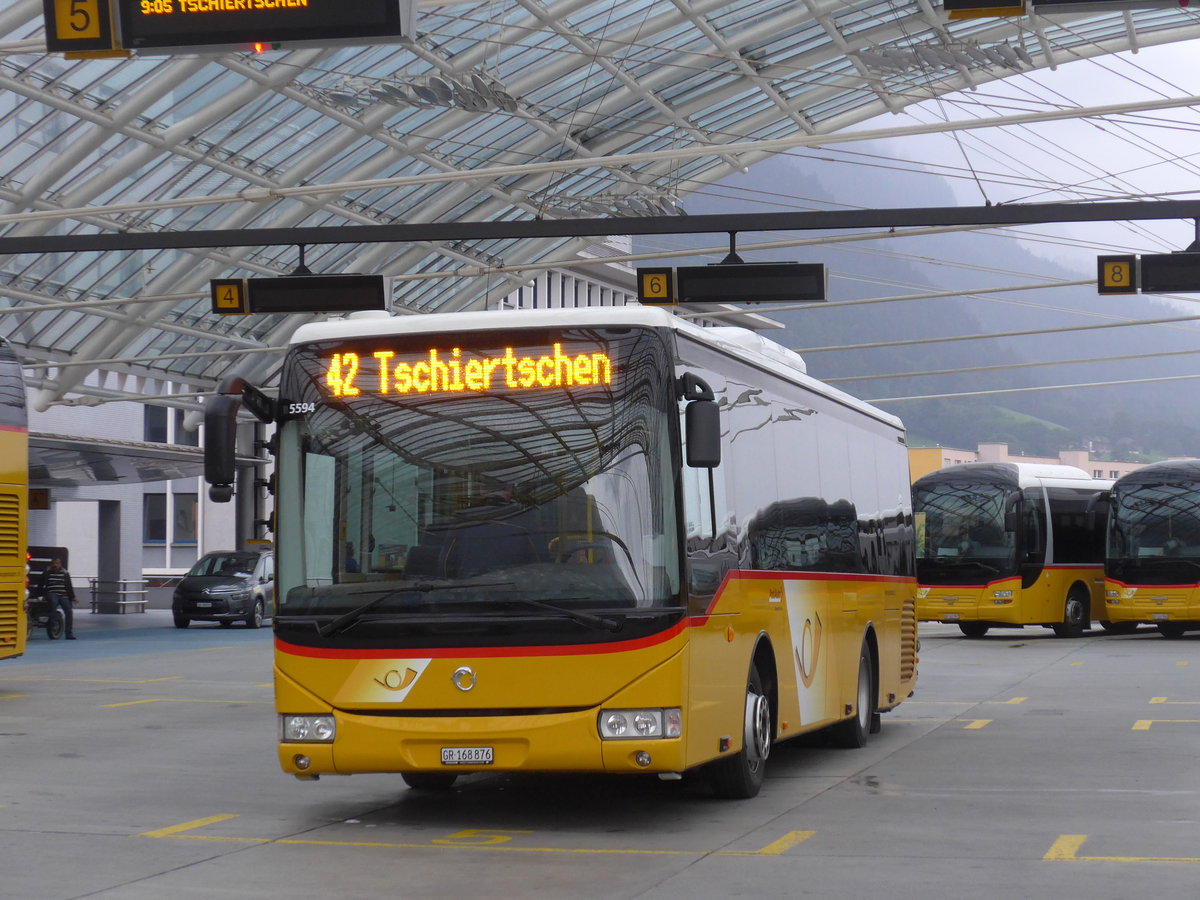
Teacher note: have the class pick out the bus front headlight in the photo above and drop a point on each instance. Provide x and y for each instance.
(634, 724)
(307, 729)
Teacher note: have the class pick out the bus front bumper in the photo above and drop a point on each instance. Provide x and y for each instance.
(954, 605)
(459, 745)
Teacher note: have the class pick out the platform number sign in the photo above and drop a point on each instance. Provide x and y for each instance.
(1117, 274)
(72, 25)
(656, 286)
(229, 296)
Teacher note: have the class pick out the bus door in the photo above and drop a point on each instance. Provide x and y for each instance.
(1034, 539)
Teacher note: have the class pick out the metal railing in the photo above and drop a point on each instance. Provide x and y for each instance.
(125, 595)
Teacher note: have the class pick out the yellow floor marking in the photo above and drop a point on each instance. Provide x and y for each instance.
(176, 700)
(976, 724)
(1078, 662)
(1144, 724)
(180, 832)
(1066, 849)
(1009, 702)
(775, 848)
(1182, 662)
(98, 680)
(12, 696)
(1175, 702)
(175, 830)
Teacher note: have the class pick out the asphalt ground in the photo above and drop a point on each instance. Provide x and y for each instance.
(139, 762)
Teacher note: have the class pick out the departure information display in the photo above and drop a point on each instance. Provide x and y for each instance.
(367, 372)
(147, 24)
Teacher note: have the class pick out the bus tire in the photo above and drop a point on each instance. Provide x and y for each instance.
(1075, 615)
(853, 732)
(973, 629)
(740, 777)
(1170, 630)
(428, 781)
(1119, 627)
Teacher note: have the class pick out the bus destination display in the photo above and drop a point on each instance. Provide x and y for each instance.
(181, 24)
(350, 374)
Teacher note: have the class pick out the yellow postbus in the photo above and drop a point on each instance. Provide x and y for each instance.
(586, 540)
(14, 502)
(1152, 565)
(1011, 544)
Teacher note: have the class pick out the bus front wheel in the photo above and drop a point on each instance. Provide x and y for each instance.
(1170, 630)
(741, 776)
(1075, 615)
(973, 629)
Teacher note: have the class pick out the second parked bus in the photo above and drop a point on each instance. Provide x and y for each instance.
(1010, 544)
(1152, 570)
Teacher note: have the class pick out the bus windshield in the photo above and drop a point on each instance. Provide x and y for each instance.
(961, 538)
(525, 507)
(1154, 533)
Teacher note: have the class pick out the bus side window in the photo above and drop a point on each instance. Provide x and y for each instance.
(1035, 527)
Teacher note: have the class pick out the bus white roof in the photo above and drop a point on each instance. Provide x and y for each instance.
(738, 342)
(1046, 474)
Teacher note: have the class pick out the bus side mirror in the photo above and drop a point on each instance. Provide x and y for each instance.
(220, 445)
(702, 423)
(1012, 514)
(220, 432)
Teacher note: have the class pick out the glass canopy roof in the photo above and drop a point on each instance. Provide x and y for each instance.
(496, 111)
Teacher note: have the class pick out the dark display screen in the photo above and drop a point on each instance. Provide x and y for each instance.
(199, 23)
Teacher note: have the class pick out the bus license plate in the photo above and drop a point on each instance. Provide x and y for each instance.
(950, 617)
(467, 756)
(1160, 617)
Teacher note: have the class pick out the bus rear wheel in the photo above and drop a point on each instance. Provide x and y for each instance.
(1171, 630)
(973, 629)
(740, 777)
(853, 732)
(1075, 615)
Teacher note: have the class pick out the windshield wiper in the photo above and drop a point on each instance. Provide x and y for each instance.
(1163, 560)
(577, 615)
(349, 619)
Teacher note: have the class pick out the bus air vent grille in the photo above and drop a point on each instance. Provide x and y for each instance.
(908, 640)
(10, 529)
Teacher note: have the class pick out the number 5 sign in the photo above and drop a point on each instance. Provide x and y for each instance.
(78, 25)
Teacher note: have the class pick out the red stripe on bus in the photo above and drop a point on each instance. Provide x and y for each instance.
(491, 652)
(1061, 567)
(1153, 587)
(788, 575)
(697, 621)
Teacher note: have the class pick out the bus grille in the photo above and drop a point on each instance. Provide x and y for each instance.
(10, 617)
(10, 530)
(908, 640)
